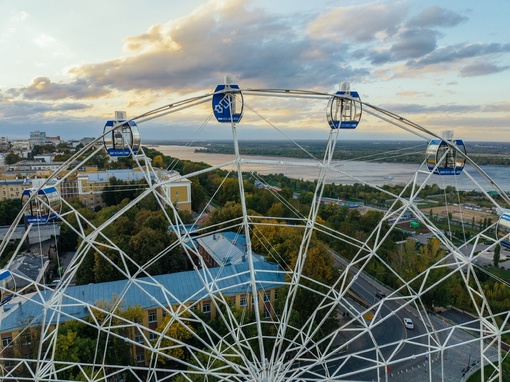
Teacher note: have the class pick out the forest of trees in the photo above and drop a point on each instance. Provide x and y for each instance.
(484, 153)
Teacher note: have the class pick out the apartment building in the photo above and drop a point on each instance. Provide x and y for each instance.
(157, 297)
(90, 185)
(13, 188)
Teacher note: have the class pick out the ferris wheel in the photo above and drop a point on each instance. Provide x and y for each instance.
(320, 289)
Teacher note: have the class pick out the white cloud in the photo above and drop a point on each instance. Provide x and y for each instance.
(19, 16)
(359, 23)
(44, 41)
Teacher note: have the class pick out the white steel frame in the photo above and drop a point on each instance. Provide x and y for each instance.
(299, 356)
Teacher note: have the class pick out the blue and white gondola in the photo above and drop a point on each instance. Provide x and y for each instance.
(43, 207)
(344, 108)
(503, 230)
(227, 102)
(123, 140)
(443, 157)
(7, 285)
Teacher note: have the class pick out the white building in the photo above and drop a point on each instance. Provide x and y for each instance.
(37, 138)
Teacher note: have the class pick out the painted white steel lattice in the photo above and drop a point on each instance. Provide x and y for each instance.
(240, 320)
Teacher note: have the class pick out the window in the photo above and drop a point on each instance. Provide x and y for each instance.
(193, 307)
(243, 301)
(267, 296)
(138, 338)
(6, 342)
(266, 313)
(152, 316)
(153, 336)
(140, 357)
(26, 339)
(206, 307)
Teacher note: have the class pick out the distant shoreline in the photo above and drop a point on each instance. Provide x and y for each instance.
(372, 172)
(487, 154)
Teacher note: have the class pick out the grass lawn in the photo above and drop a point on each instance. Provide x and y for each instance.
(501, 273)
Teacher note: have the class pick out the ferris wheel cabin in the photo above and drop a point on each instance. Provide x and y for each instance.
(43, 207)
(124, 139)
(227, 102)
(443, 157)
(344, 108)
(504, 230)
(7, 285)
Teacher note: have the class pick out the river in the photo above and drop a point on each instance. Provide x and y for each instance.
(350, 172)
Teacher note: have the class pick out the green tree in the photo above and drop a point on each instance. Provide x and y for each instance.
(118, 190)
(12, 158)
(100, 160)
(231, 210)
(497, 255)
(305, 198)
(25, 345)
(9, 209)
(43, 149)
(173, 333)
(119, 318)
(157, 161)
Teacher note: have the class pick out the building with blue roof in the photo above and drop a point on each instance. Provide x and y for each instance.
(224, 248)
(157, 296)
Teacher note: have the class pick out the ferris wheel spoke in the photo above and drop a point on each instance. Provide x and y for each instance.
(295, 296)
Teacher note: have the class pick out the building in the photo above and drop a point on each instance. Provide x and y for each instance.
(54, 140)
(42, 167)
(21, 147)
(4, 143)
(13, 188)
(86, 140)
(37, 138)
(90, 185)
(225, 248)
(45, 158)
(157, 296)
(30, 266)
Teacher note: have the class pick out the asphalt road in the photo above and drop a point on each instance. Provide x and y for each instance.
(409, 361)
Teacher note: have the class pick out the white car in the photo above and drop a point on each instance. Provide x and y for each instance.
(408, 323)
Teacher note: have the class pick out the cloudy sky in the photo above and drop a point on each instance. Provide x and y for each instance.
(67, 65)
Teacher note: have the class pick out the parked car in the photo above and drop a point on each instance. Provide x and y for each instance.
(408, 323)
(380, 294)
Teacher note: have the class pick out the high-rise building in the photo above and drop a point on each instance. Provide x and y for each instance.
(37, 138)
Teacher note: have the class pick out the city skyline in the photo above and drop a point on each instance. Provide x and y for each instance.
(442, 65)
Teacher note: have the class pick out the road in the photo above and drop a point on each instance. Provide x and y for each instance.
(386, 338)
(405, 348)
(37, 233)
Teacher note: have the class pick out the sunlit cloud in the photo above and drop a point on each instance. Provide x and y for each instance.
(359, 23)
(42, 88)
(482, 68)
(19, 16)
(375, 45)
(458, 52)
(44, 41)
